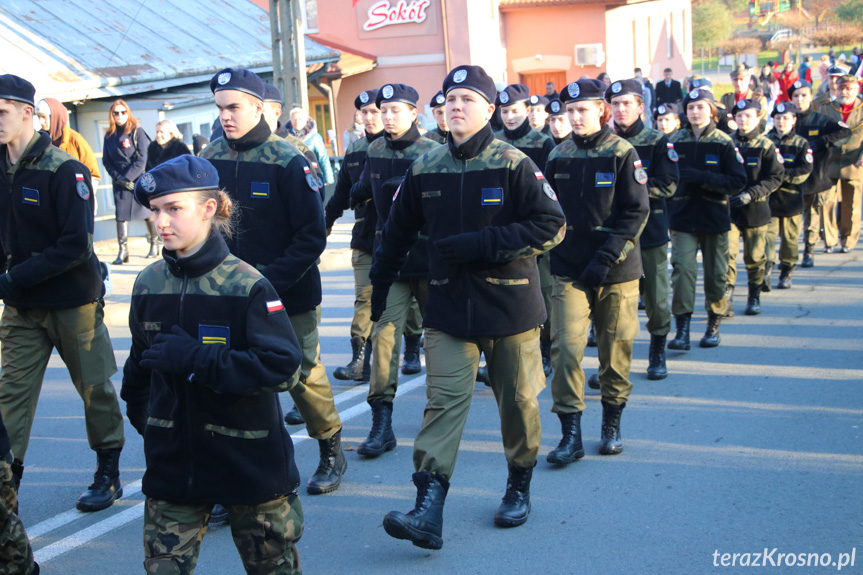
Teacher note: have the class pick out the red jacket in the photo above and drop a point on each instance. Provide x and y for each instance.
(786, 79)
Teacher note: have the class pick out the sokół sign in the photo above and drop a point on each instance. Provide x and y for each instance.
(383, 14)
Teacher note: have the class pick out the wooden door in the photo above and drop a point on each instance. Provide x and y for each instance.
(536, 81)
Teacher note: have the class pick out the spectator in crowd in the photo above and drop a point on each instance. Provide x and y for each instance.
(769, 84)
(199, 142)
(786, 79)
(306, 129)
(167, 146)
(551, 91)
(805, 70)
(356, 131)
(605, 78)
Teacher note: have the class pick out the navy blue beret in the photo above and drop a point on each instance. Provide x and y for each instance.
(272, 94)
(698, 95)
(587, 89)
(513, 94)
(437, 100)
(623, 88)
(473, 78)
(366, 98)
(238, 79)
(397, 93)
(746, 104)
(537, 100)
(797, 86)
(185, 173)
(19, 89)
(784, 108)
(555, 108)
(698, 83)
(664, 109)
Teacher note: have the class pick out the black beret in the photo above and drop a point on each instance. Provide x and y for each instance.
(397, 93)
(272, 94)
(513, 94)
(19, 89)
(698, 95)
(623, 88)
(537, 100)
(664, 109)
(437, 100)
(699, 83)
(784, 108)
(555, 108)
(185, 173)
(238, 79)
(746, 104)
(587, 89)
(366, 98)
(797, 86)
(473, 78)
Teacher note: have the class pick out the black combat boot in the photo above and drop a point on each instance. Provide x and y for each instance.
(423, 525)
(656, 363)
(381, 438)
(106, 487)
(591, 336)
(681, 339)
(367, 363)
(354, 370)
(155, 240)
(768, 271)
(711, 336)
(482, 375)
(17, 474)
(570, 447)
(545, 350)
(123, 241)
(610, 442)
(808, 260)
(785, 271)
(328, 475)
(515, 506)
(729, 300)
(411, 361)
(294, 417)
(593, 381)
(753, 302)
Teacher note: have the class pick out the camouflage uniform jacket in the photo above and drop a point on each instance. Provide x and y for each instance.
(281, 229)
(46, 228)
(797, 159)
(764, 173)
(492, 201)
(213, 433)
(436, 135)
(822, 133)
(603, 193)
(535, 145)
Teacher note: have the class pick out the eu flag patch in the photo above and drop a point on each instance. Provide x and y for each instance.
(210, 334)
(604, 179)
(261, 190)
(30, 196)
(711, 159)
(492, 196)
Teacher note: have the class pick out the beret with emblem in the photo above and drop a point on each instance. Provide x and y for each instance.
(397, 93)
(185, 173)
(698, 95)
(238, 79)
(513, 94)
(799, 84)
(272, 94)
(747, 104)
(437, 100)
(365, 98)
(555, 108)
(784, 108)
(473, 78)
(623, 88)
(537, 100)
(15, 88)
(664, 109)
(701, 84)
(586, 89)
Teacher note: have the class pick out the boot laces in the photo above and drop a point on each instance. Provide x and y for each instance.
(328, 457)
(101, 482)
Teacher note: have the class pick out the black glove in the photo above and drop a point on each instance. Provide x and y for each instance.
(693, 176)
(126, 183)
(379, 300)
(6, 286)
(740, 200)
(595, 272)
(460, 248)
(171, 352)
(138, 419)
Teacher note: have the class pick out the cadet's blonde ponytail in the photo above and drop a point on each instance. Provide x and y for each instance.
(224, 220)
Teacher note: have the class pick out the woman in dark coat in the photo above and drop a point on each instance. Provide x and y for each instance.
(167, 146)
(124, 155)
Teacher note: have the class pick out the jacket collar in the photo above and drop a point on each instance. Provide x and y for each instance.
(519, 132)
(34, 149)
(408, 138)
(372, 137)
(748, 136)
(254, 138)
(630, 132)
(592, 140)
(212, 253)
(474, 146)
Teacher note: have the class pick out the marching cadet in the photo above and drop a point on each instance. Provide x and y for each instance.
(724, 118)
(786, 203)
(488, 213)
(281, 232)
(819, 198)
(362, 237)
(750, 210)
(846, 162)
(711, 169)
(387, 160)
(538, 115)
(602, 188)
(667, 120)
(52, 290)
(558, 124)
(741, 80)
(439, 112)
(211, 347)
(659, 160)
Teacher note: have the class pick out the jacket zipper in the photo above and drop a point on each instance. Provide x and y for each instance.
(189, 415)
(237, 187)
(465, 269)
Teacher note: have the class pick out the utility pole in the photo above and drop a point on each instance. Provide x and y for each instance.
(289, 54)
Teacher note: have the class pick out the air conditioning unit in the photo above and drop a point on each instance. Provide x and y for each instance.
(589, 55)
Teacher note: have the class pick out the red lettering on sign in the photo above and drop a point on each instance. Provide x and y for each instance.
(383, 14)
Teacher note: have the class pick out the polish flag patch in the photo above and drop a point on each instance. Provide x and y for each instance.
(79, 177)
(637, 163)
(539, 175)
(306, 169)
(275, 305)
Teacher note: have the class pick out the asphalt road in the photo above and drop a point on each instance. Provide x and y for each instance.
(755, 444)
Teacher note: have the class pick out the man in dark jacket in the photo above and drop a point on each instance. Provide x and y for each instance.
(668, 91)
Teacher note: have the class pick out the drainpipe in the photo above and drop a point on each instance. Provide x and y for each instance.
(445, 36)
(329, 92)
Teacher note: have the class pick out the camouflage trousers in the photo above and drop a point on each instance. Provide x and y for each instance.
(16, 556)
(266, 536)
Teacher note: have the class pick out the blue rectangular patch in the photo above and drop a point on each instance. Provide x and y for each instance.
(30, 196)
(261, 190)
(604, 179)
(752, 162)
(214, 334)
(492, 196)
(711, 159)
(645, 164)
(788, 158)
